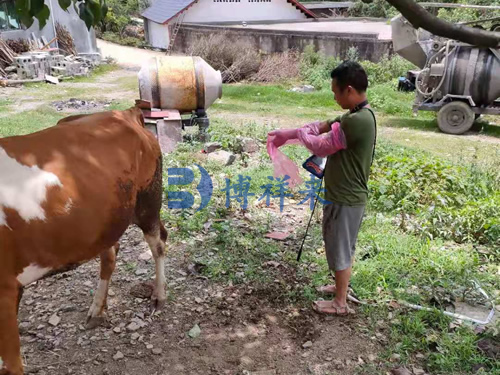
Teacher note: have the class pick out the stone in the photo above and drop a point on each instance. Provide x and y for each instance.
(157, 351)
(195, 331)
(372, 357)
(211, 147)
(223, 157)
(135, 336)
(307, 344)
(304, 88)
(249, 145)
(54, 320)
(418, 371)
(140, 272)
(147, 255)
(117, 330)
(118, 356)
(395, 357)
(149, 346)
(134, 326)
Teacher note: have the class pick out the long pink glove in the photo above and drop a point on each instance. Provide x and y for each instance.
(282, 164)
(322, 145)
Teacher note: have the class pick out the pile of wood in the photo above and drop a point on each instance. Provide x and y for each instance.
(19, 46)
(65, 40)
(6, 57)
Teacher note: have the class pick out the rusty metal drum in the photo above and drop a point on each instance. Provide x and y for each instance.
(184, 83)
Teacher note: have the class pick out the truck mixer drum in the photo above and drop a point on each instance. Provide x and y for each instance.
(172, 86)
(459, 81)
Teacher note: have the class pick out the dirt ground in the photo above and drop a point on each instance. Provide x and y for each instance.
(243, 330)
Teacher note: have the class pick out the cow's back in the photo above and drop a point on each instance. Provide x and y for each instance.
(72, 187)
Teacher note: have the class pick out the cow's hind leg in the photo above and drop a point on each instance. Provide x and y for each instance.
(10, 347)
(96, 314)
(147, 217)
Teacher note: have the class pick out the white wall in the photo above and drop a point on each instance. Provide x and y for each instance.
(242, 10)
(158, 34)
(84, 39)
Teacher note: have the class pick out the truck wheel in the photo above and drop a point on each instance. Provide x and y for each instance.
(455, 118)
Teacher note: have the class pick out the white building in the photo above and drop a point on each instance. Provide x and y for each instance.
(163, 17)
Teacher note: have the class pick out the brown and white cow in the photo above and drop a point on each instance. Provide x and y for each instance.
(67, 194)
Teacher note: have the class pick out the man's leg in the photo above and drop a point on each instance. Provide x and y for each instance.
(342, 285)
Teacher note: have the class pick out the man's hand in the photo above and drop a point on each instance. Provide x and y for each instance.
(281, 136)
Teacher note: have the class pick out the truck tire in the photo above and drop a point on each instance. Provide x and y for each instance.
(455, 118)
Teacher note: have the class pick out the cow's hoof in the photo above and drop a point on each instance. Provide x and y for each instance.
(94, 321)
(157, 304)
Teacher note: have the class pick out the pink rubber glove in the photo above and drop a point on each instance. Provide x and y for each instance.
(322, 145)
(280, 136)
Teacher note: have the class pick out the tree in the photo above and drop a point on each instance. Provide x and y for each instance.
(90, 11)
(93, 11)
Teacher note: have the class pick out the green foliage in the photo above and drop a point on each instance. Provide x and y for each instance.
(455, 15)
(90, 11)
(315, 68)
(126, 40)
(377, 9)
(448, 201)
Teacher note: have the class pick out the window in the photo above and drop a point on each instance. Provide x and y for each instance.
(8, 17)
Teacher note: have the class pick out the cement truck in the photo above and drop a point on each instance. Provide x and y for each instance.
(458, 81)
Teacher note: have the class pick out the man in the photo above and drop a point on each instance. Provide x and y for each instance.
(349, 148)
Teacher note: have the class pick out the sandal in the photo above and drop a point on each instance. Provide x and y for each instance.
(327, 307)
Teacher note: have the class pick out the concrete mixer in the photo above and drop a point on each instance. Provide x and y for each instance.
(173, 86)
(457, 80)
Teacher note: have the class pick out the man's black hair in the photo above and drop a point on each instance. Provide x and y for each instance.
(350, 73)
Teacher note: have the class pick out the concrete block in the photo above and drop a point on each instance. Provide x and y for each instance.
(58, 71)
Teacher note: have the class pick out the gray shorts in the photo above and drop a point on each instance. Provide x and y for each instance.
(340, 231)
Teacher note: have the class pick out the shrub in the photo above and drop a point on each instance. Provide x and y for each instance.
(278, 67)
(445, 200)
(235, 60)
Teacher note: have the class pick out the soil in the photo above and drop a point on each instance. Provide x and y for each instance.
(244, 329)
(79, 105)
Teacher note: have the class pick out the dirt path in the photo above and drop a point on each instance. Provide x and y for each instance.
(127, 57)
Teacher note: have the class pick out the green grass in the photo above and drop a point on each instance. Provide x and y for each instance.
(28, 122)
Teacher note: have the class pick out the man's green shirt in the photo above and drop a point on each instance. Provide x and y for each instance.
(347, 171)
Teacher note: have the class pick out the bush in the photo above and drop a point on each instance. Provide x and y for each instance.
(278, 67)
(315, 68)
(126, 41)
(235, 60)
(446, 201)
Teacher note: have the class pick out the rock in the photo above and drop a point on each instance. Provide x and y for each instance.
(249, 145)
(198, 300)
(400, 371)
(304, 88)
(140, 272)
(420, 356)
(195, 331)
(111, 293)
(88, 284)
(149, 346)
(147, 255)
(263, 372)
(117, 330)
(157, 351)
(395, 357)
(118, 356)
(54, 320)
(223, 157)
(418, 371)
(135, 336)
(211, 147)
(134, 326)
(307, 344)
(372, 357)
